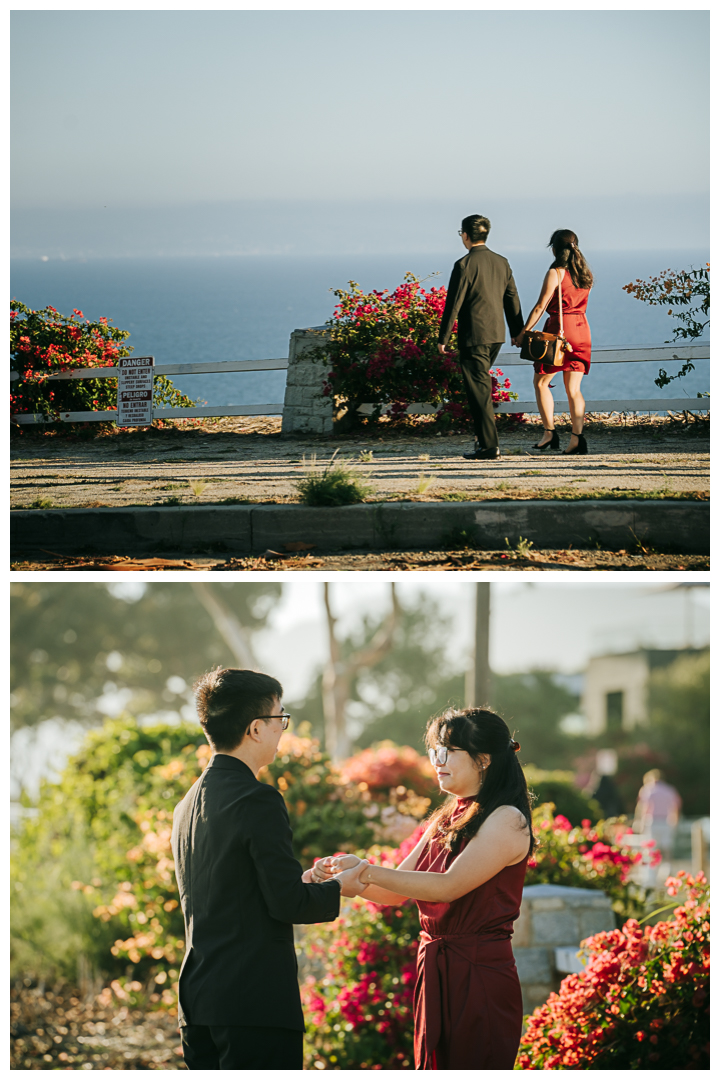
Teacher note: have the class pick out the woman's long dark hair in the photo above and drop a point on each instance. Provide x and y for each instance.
(479, 731)
(568, 256)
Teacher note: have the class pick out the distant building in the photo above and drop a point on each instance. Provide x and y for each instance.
(614, 696)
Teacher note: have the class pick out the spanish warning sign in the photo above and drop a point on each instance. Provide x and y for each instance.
(135, 390)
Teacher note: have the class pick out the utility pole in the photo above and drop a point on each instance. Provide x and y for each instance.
(477, 687)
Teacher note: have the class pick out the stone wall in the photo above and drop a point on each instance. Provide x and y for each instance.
(554, 919)
(306, 411)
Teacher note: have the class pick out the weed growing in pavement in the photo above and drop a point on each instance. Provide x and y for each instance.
(172, 500)
(41, 504)
(424, 482)
(197, 486)
(365, 455)
(521, 549)
(459, 539)
(423, 457)
(335, 485)
(455, 496)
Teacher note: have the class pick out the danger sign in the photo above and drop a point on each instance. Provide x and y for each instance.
(135, 390)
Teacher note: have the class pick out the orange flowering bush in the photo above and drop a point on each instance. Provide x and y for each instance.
(642, 1001)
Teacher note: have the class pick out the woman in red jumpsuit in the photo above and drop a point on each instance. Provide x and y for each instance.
(575, 283)
(466, 874)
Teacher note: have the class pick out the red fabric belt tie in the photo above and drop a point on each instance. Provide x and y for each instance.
(435, 952)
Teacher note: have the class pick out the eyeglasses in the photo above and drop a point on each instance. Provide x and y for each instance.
(284, 719)
(438, 754)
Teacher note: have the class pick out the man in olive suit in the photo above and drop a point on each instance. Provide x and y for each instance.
(241, 888)
(480, 292)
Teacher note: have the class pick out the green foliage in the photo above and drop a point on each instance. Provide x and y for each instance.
(45, 342)
(533, 704)
(679, 727)
(92, 870)
(335, 485)
(641, 1002)
(63, 635)
(680, 289)
(557, 787)
(416, 679)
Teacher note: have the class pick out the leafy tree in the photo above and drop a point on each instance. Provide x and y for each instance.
(533, 704)
(411, 682)
(679, 289)
(72, 642)
(679, 728)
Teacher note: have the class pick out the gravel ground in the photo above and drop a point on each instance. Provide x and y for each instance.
(246, 460)
(574, 559)
(59, 1028)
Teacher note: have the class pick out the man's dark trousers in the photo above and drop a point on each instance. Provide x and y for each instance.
(476, 361)
(241, 1047)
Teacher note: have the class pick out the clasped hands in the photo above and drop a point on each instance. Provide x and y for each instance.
(345, 868)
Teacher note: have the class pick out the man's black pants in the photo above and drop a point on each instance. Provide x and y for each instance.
(476, 362)
(241, 1047)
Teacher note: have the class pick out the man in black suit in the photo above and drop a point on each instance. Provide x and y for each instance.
(481, 288)
(241, 888)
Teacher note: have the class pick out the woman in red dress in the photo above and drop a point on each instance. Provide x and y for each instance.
(466, 874)
(575, 283)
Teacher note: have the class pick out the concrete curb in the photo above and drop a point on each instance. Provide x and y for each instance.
(669, 525)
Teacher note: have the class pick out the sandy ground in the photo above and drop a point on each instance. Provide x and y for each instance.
(247, 460)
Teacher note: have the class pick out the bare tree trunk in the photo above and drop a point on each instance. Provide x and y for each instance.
(228, 625)
(477, 684)
(339, 674)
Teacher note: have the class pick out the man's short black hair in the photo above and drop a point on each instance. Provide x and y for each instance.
(229, 699)
(476, 228)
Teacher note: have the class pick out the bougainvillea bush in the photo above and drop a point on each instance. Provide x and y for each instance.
(642, 1001)
(382, 349)
(588, 856)
(358, 1001)
(44, 342)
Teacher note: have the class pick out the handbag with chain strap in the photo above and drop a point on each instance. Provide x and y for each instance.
(549, 348)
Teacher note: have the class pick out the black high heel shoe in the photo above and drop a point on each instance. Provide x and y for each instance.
(581, 447)
(554, 443)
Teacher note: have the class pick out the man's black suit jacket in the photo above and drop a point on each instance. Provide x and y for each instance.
(481, 288)
(241, 891)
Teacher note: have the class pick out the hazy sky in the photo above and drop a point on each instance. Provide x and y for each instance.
(158, 108)
(555, 627)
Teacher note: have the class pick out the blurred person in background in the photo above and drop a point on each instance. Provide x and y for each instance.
(657, 811)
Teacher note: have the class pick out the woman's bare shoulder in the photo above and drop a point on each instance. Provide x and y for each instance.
(509, 815)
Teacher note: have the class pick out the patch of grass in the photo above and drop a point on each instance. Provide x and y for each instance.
(502, 486)
(41, 504)
(454, 496)
(365, 456)
(235, 500)
(423, 457)
(197, 486)
(172, 500)
(533, 472)
(335, 485)
(424, 482)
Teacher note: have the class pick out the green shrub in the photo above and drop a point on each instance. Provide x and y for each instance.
(335, 485)
(558, 787)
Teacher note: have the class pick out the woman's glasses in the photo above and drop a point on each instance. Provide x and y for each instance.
(438, 754)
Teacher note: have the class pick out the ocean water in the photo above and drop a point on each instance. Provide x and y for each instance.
(185, 310)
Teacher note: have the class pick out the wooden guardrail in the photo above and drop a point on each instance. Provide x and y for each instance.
(657, 354)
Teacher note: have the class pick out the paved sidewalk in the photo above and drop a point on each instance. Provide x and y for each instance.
(250, 462)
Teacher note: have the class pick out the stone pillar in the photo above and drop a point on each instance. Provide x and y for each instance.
(554, 919)
(306, 411)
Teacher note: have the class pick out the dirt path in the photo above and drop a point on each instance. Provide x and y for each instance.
(248, 461)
